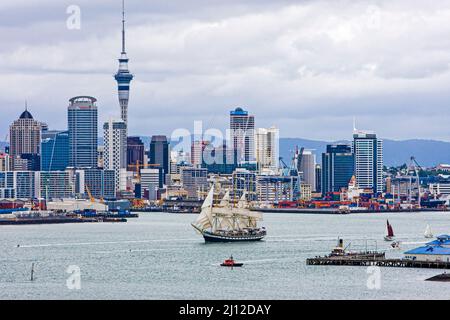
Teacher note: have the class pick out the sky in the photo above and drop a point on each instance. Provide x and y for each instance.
(306, 67)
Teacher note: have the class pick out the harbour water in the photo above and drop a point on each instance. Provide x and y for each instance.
(159, 256)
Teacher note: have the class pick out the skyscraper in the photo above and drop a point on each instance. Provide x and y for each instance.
(368, 152)
(83, 132)
(160, 153)
(25, 138)
(338, 166)
(135, 152)
(267, 147)
(242, 126)
(123, 75)
(115, 153)
(308, 167)
(54, 150)
(197, 149)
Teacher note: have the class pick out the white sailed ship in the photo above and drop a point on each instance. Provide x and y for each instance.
(225, 222)
(428, 234)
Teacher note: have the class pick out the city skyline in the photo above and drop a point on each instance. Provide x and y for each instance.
(282, 68)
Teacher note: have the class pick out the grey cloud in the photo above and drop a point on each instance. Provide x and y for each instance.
(305, 66)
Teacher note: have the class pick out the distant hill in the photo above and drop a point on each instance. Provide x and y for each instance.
(427, 152)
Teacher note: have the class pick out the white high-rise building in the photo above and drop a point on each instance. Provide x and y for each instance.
(368, 152)
(115, 152)
(197, 148)
(308, 167)
(267, 147)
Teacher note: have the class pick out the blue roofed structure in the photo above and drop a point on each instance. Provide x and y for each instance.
(437, 250)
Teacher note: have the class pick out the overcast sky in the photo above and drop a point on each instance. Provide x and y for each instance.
(307, 67)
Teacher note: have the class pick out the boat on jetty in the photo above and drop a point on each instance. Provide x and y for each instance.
(225, 222)
(340, 252)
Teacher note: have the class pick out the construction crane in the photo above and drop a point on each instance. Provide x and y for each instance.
(299, 156)
(137, 166)
(91, 197)
(413, 166)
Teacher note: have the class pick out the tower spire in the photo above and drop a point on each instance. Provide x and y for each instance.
(123, 75)
(123, 26)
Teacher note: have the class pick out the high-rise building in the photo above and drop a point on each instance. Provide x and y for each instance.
(101, 183)
(368, 150)
(25, 137)
(54, 150)
(318, 178)
(308, 168)
(337, 168)
(135, 153)
(242, 134)
(159, 153)
(4, 162)
(83, 132)
(197, 149)
(267, 147)
(123, 75)
(115, 153)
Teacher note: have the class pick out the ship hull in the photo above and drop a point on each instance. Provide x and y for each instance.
(210, 237)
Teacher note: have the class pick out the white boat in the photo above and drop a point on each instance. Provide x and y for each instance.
(428, 234)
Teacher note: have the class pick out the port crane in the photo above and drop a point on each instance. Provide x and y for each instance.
(413, 171)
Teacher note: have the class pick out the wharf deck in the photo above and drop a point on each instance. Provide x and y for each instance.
(380, 262)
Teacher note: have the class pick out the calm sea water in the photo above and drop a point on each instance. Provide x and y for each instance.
(159, 256)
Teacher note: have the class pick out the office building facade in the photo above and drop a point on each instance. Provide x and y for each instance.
(338, 167)
(54, 150)
(115, 152)
(83, 132)
(242, 134)
(368, 152)
(267, 148)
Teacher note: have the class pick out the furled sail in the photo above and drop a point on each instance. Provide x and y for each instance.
(243, 203)
(225, 202)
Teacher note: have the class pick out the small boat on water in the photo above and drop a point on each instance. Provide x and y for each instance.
(390, 233)
(395, 244)
(231, 263)
(428, 234)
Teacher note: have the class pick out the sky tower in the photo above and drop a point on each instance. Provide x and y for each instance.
(123, 75)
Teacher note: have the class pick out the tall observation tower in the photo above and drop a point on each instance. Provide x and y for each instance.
(123, 75)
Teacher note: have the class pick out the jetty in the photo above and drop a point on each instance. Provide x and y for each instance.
(374, 261)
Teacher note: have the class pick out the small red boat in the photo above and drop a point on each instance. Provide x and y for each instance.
(231, 263)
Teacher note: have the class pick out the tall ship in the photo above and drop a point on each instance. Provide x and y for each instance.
(228, 222)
